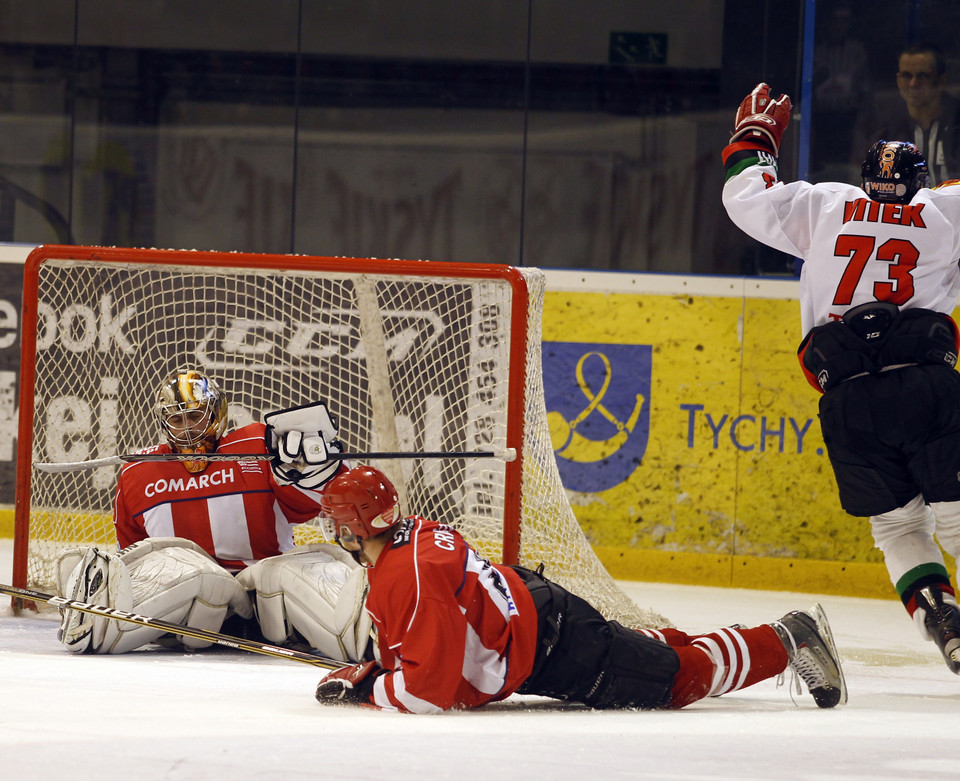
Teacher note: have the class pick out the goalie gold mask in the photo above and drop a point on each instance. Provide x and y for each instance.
(192, 411)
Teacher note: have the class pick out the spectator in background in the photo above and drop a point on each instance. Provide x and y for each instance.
(841, 94)
(928, 116)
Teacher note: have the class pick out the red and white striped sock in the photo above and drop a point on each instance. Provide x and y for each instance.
(672, 637)
(725, 661)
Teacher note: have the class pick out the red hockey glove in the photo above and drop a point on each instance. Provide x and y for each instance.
(762, 120)
(349, 684)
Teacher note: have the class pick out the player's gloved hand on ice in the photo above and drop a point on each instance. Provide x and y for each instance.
(301, 439)
(349, 684)
(762, 120)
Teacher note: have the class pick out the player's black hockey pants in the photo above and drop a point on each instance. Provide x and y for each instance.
(582, 657)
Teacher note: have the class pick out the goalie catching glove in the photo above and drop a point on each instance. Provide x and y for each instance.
(301, 439)
(349, 684)
(762, 120)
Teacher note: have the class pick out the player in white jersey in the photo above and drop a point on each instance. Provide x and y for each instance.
(202, 541)
(879, 281)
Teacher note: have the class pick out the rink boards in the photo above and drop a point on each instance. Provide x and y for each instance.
(722, 478)
(684, 431)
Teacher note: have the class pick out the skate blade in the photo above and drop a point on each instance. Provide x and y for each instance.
(824, 625)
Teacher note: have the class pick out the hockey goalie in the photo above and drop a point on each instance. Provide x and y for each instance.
(203, 542)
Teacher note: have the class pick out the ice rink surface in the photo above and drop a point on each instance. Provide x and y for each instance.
(221, 714)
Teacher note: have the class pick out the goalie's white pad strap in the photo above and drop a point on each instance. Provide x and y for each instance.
(67, 562)
(317, 591)
(171, 579)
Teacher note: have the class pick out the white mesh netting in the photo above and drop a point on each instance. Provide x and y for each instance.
(406, 361)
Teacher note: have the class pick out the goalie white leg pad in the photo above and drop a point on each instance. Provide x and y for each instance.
(168, 578)
(99, 579)
(352, 621)
(174, 579)
(318, 591)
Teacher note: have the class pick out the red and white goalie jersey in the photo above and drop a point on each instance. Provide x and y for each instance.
(235, 510)
(855, 250)
(454, 630)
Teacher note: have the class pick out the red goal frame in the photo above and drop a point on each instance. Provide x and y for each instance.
(29, 323)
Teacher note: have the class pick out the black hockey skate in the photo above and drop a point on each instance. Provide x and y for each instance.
(943, 623)
(812, 654)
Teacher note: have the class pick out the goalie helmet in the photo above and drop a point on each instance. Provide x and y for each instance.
(360, 503)
(893, 171)
(192, 411)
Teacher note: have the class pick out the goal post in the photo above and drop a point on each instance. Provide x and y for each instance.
(409, 355)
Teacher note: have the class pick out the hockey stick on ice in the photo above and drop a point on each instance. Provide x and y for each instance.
(506, 454)
(239, 643)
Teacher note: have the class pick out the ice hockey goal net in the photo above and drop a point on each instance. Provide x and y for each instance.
(410, 356)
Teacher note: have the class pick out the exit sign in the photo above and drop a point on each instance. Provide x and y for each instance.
(638, 48)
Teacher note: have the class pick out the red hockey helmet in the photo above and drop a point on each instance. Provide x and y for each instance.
(358, 504)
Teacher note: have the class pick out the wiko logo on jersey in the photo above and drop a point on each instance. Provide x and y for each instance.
(598, 410)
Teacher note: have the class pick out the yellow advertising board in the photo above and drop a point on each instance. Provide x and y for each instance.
(687, 437)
